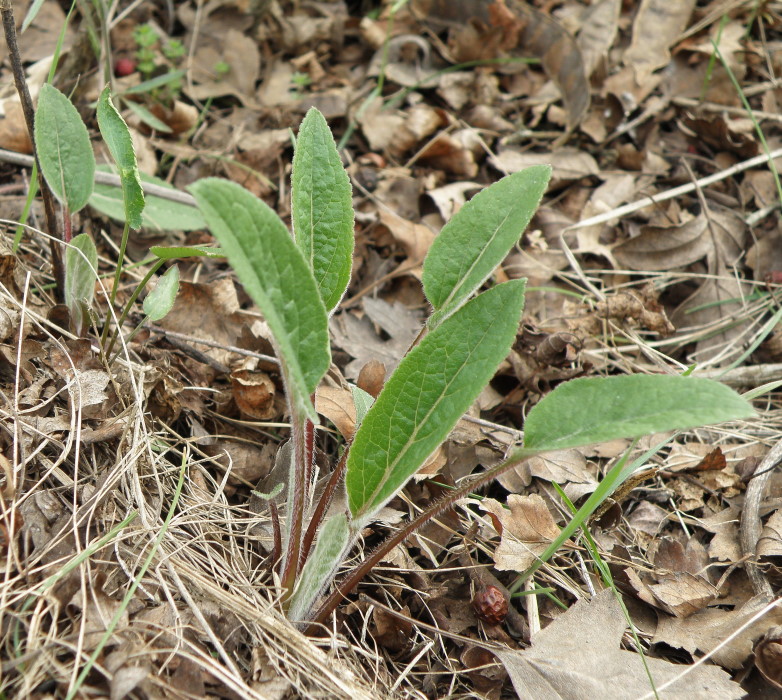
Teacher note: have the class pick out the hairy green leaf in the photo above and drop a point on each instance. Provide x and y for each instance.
(478, 237)
(427, 394)
(596, 409)
(64, 149)
(81, 271)
(277, 278)
(116, 134)
(159, 214)
(322, 208)
(161, 299)
(320, 567)
(165, 252)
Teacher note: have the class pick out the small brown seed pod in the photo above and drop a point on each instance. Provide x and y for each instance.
(490, 605)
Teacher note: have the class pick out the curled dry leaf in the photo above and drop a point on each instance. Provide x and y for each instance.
(768, 656)
(254, 393)
(336, 404)
(527, 529)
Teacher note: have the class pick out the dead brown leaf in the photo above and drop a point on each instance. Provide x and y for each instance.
(588, 635)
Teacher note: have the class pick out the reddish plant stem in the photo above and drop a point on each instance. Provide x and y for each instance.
(9, 29)
(323, 504)
(356, 575)
(297, 503)
(276, 533)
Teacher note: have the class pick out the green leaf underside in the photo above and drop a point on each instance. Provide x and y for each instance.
(186, 251)
(81, 265)
(427, 394)
(159, 214)
(320, 567)
(161, 299)
(64, 149)
(277, 278)
(596, 409)
(479, 236)
(322, 208)
(116, 134)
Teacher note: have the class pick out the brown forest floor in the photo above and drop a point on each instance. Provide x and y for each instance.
(431, 100)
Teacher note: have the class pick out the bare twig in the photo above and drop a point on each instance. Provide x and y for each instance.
(751, 525)
(9, 28)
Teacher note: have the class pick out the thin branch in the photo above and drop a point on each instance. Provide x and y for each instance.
(9, 29)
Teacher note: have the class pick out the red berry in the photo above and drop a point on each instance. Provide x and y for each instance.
(124, 66)
(490, 605)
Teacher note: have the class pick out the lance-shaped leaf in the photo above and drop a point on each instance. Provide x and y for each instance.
(277, 278)
(427, 394)
(322, 208)
(478, 237)
(596, 409)
(116, 134)
(159, 214)
(81, 271)
(319, 570)
(63, 147)
(161, 299)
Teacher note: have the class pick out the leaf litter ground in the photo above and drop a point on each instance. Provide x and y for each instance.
(432, 101)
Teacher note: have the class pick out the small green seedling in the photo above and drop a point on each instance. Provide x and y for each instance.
(68, 165)
(297, 282)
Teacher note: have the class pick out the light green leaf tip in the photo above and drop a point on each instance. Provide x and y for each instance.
(275, 275)
(476, 240)
(322, 208)
(596, 409)
(161, 299)
(63, 147)
(116, 134)
(427, 394)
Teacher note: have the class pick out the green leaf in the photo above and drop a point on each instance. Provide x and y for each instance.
(154, 83)
(159, 214)
(477, 239)
(81, 271)
(319, 570)
(161, 299)
(32, 13)
(322, 208)
(64, 149)
(147, 117)
(362, 402)
(165, 252)
(427, 394)
(116, 134)
(277, 278)
(596, 409)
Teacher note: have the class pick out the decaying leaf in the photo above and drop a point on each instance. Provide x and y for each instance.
(527, 529)
(588, 635)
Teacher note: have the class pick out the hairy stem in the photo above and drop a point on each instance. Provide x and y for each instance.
(350, 581)
(297, 500)
(323, 504)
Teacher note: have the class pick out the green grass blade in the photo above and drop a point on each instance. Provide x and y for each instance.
(477, 239)
(322, 208)
(64, 149)
(116, 134)
(277, 278)
(427, 394)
